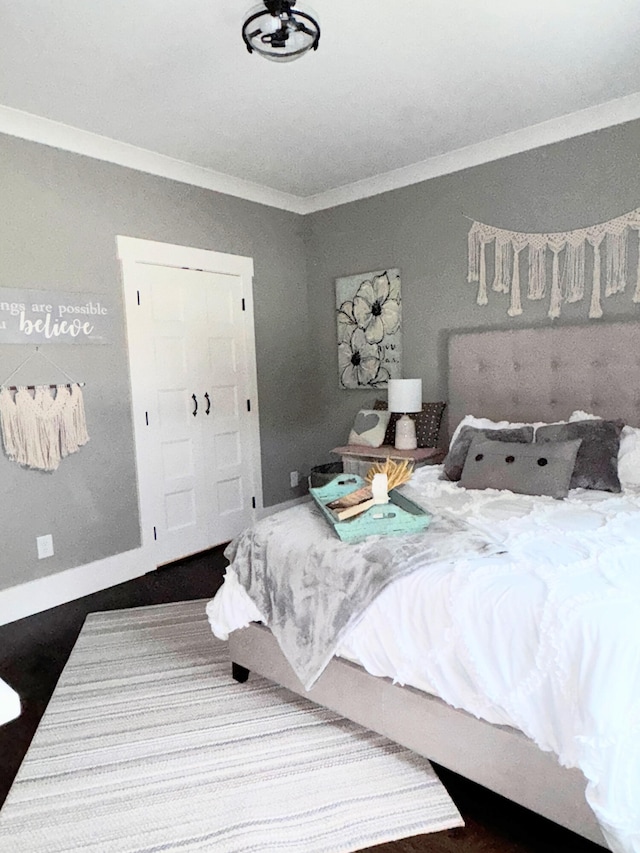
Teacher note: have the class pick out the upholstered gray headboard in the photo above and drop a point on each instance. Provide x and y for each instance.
(544, 374)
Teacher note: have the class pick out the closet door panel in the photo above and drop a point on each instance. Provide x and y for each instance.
(227, 439)
(173, 305)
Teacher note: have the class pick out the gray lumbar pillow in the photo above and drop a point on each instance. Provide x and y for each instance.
(597, 460)
(528, 469)
(455, 459)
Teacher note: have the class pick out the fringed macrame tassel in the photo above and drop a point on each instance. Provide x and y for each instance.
(595, 308)
(9, 423)
(73, 425)
(482, 298)
(502, 278)
(537, 272)
(555, 300)
(616, 263)
(473, 239)
(31, 451)
(636, 293)
(515, 307)
(572, 278)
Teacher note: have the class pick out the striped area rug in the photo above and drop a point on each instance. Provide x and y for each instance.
(148, 745)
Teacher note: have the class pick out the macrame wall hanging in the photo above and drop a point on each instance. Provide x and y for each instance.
(567, 251)
(41, 424)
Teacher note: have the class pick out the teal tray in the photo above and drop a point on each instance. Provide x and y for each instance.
(399, 516)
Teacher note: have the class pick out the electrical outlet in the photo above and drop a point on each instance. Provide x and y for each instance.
(45, 546)
(294, 478)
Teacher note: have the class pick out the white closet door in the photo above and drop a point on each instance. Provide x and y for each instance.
(188, 337)
(226, 418)
(171, 302)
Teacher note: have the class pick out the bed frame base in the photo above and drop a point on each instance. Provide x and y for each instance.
(498, 757)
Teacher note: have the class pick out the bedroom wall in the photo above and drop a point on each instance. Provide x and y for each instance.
(422, 229)
(61, 214)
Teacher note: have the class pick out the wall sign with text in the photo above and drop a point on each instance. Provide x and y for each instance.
(52, 317)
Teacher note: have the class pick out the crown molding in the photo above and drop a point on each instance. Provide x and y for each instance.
(565, 127)
(57, 135)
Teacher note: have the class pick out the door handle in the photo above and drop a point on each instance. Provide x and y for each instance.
(208, 409)
(195, 403)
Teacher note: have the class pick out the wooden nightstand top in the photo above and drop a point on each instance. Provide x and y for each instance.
(421, 455)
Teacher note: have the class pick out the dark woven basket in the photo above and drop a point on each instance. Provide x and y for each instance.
(320, 475)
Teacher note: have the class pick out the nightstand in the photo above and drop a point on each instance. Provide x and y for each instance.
(358, 458)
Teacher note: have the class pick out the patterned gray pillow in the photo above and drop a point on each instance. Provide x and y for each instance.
(597, 461)
(455, 458)
(427, 423)
(527, 469)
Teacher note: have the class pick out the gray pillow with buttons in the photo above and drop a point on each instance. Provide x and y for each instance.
(454, 461)
(528, 469)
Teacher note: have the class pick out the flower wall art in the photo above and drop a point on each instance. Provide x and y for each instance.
(369, 312)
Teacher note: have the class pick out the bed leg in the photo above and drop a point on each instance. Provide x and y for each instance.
(240, 673)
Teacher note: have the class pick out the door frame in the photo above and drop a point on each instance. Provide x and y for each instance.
(133, 251)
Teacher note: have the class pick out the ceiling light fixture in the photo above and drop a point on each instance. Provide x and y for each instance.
(280, 32)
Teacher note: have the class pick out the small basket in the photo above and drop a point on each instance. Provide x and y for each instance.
(321, 475)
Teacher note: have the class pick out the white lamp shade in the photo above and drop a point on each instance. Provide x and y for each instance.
(405, 395)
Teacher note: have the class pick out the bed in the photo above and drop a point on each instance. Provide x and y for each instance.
(523, 376)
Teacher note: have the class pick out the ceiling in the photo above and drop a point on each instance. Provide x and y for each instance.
(395, 89)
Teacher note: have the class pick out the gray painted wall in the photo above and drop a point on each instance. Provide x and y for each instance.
(62, 212)
(61, 215)
(422, 229)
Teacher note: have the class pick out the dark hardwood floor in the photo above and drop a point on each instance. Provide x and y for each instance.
(33, 653)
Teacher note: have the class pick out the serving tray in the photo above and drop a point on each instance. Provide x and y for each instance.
(399, 516)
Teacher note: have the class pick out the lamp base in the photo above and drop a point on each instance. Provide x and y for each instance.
(405, 434)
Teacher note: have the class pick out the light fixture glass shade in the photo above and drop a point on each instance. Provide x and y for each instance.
(405, 395)
(280, 30)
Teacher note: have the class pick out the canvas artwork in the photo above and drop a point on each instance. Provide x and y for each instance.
(369, 313)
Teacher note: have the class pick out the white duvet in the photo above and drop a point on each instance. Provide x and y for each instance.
(545, 637)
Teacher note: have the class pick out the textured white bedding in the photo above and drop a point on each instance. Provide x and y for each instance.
(545, 637)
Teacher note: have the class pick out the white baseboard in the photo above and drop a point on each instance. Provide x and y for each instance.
(27, 599)
(32, 597)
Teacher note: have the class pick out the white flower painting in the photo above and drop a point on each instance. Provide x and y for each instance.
(369, 319)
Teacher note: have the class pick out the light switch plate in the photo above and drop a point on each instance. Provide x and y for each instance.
(45, 546)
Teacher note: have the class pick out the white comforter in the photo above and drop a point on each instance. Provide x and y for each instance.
(545, 637)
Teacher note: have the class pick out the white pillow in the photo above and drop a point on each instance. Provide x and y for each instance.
(369, 427)
(579, 415)
(629, 458)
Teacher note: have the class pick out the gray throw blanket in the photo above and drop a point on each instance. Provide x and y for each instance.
(311, 587)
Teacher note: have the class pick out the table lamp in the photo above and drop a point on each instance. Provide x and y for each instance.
(405, 395)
